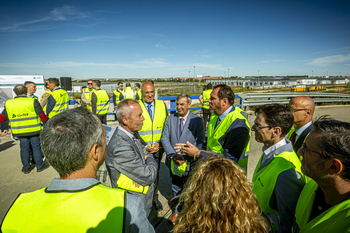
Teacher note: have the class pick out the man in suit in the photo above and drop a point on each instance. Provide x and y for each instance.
(182, 127)
(127, 162)
(303, 108)
(228, 129)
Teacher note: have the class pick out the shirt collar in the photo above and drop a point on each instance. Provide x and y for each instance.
(29, 95)
(185, 117)
(146, 104)
(224, 114)
(301, 129)
(130, 135)
(274, 147)
(74, 184)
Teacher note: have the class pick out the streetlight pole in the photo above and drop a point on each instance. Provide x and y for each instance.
(258, 76)
(194, 77)
(228, 73)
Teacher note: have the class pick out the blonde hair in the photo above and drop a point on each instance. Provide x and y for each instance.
(218, 198)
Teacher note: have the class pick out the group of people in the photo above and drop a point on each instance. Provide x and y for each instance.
(300, 184)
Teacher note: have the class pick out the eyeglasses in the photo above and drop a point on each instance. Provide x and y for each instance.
(258, 127)
(304, 149)
(90, 83)
(297, 110)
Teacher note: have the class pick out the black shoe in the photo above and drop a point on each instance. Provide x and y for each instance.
(157, 205)
(44, 167)
(26, 171)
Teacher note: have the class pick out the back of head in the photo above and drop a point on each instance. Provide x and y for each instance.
(226, 92)
(28, 82)
(97, 82)
(54, 81)
(209, 86)
(20, 90)
(277, 115)
(67, 138)
(218, 198)
(128, 85)
(335, 141)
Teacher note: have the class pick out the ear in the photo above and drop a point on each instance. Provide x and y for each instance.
(336, 167)
(94, 152)
(125, 120)
(308, 112)
(277, 131)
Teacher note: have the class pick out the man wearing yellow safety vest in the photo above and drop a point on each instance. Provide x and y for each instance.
(324, 203)
(100, 102)
(117, 97)
(74, 144)
(128, 164)
(137, 92)
(303, 108)
(86, 95)
(204, 100)
(58, 100)
(154, 112)
(128, 93)
(181, 127)
(44, 97)
(25, 115)
(228, 129)
(277, 179)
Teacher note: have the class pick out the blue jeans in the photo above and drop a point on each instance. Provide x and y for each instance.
(28, 144)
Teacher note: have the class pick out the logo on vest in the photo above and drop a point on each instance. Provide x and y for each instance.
(61, 95)
(20, 115)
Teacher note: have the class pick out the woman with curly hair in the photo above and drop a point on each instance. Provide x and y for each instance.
(218, 198)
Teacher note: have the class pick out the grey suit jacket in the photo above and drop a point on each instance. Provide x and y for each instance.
(123, 156)
(193, 132)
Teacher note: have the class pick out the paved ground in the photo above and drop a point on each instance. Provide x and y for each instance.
(13, 181)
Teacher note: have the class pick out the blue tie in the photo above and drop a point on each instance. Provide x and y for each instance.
(149, 108)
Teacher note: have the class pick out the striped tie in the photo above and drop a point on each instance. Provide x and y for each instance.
(149, 108)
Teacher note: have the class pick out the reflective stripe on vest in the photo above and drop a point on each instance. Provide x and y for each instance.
(98, 208)
(41, 97)
(151, 131)
(117, 96)
(22, 115)
(335, 219)
(264, 180)
(126, 183)
(62, 100)
(87, 94)
(128, 93)
(102, 103)
(214, 134)
(206, 97)
(179, 170)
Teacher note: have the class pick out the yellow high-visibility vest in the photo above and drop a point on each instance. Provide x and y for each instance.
(206, 97)
(128, 93)
(22, 115)
(102, 104)
(87, 94)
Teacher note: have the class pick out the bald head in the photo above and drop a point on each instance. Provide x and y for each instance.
(303, 108)
(148, 92)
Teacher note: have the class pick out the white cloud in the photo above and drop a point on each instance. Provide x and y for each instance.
(57, 14)
(325, 61)
(268, 61)
(159, 45)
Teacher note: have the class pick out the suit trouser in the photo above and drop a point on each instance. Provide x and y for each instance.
(206, 116)
(177, 185)
(28, 144)
(158, 158)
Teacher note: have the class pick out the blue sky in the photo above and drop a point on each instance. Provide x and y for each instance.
(144, 39)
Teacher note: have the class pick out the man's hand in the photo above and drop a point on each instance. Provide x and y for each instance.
(146, 156)
(4, 133)
(188, 148)
(156, 145)
(90, 104)
(151, 149)
(178, 160)
(136, 184)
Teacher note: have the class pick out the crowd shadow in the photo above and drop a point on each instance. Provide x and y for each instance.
(6, 145)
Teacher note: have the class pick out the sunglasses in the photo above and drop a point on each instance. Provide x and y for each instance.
(90, 83)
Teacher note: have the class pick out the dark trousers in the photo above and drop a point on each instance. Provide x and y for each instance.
(103, 118)
(177, 185)
(206, 116)
(158, 158)
(28, 144)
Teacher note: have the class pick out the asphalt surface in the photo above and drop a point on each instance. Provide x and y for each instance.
(13, 181)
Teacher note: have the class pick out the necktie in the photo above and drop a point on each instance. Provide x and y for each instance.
(149, 108)
(181, 126)
(292, 138)
(134, 140)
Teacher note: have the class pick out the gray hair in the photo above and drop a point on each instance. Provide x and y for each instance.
(335, 141)
(20, 90)
(189, 99)
(123, 109)
(67, 138)
(97, 82)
